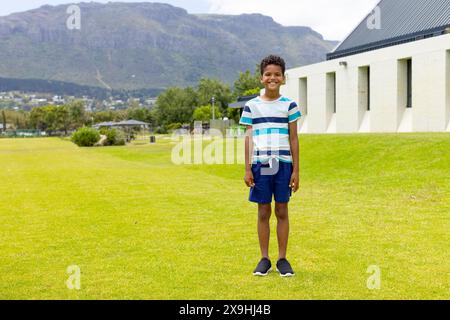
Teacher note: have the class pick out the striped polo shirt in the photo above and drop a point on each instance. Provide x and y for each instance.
(270, 122)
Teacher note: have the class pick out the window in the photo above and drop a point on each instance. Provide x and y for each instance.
(364, 88)
(409, 83)
(404, 83)
(331, 92)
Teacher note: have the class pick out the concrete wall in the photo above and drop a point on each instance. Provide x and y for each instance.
(318, 118)
(447, 81)
(388, 113)
(430, 91)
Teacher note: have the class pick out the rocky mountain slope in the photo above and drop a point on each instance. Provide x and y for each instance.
(145, 45)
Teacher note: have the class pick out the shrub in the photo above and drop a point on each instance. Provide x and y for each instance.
(85, 137)
(119, 139)
(161, 130)
(114, 137)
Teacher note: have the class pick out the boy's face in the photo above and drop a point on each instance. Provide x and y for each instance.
(272, 77)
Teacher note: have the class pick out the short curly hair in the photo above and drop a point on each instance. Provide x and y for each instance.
(272, 59)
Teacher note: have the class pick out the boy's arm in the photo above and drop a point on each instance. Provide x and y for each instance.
(248, 155)
(293, 140)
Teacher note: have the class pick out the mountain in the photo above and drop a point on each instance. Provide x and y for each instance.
(145, 45)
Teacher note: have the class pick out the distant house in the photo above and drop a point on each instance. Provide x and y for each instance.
(8, 126)
(58, 100)
(151, 102)
(38, 102)
(122, 124)
(106, 124)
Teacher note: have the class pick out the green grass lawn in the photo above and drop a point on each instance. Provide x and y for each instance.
(140, 227)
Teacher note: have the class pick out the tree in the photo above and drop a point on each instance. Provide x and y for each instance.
(77, 114)
(103, 116)
(63, 118)
(133, 104)
(141, 114)
(204, 113)
(208, 88)
(20, 118)
(50, 117)
(37, 119)
(251, 92)
(247, 84)
(247, 81)
(4, 120)
(120, 115)
(175, 105)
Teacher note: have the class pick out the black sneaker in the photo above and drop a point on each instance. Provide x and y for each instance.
(263, 268)
(284, 268)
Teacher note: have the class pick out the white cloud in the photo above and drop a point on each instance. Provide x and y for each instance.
(334, 19)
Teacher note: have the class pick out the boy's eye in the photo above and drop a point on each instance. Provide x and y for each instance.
(269, 74)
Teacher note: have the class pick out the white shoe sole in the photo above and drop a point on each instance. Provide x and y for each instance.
(259, 274)
(285, 275)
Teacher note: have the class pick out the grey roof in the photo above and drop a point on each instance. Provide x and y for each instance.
(131, 123)
(241, 101)
(105, 124)
(401, 21)
(121, 123)
(237, 105)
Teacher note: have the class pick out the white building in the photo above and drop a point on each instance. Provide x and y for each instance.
(391, 74)
(58, 100)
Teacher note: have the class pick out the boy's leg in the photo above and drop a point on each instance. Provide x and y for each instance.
(264, 212)
(281, 212)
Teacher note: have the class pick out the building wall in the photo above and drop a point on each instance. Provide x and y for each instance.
(447, 82)
(388, 113)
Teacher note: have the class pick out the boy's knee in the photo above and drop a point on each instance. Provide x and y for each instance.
(264, 216)
(281, 210)
(264, 212)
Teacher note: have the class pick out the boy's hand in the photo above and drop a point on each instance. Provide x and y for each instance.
(295, 182)
(248, 178)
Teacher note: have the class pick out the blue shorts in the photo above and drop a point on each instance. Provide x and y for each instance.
(270, 182)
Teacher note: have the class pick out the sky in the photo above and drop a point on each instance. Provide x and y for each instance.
(334, 19)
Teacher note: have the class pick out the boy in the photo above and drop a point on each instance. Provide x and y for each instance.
(272, 167)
